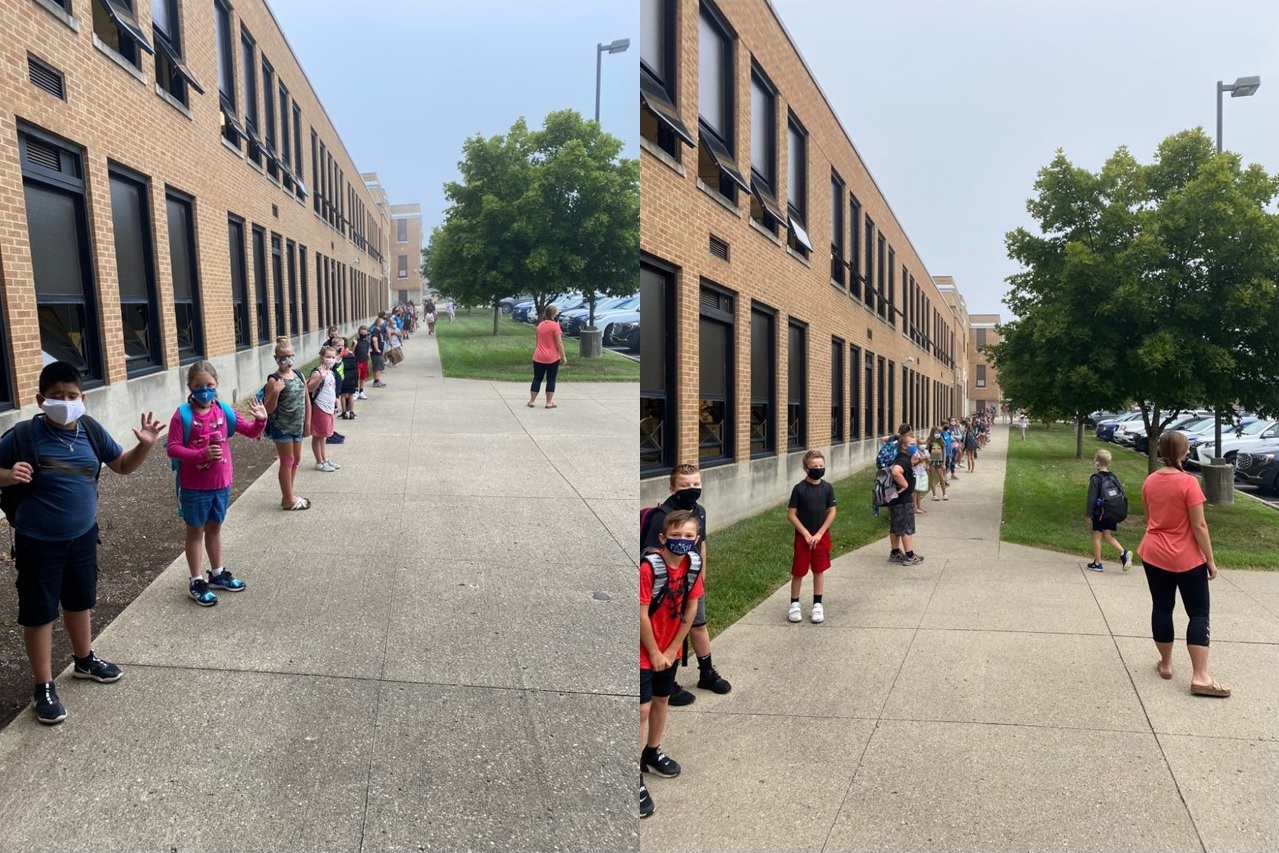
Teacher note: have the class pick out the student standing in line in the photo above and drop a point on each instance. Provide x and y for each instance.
(288, 420)
(811, 512)
(322, 387)
(901, 519)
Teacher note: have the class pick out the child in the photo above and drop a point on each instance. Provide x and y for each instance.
(362, 346)
(686, 488)
(350, 380)
(664, 623)
(901, 519)
(937, 446)
(1103, 526)
(1022, 423)
(377, 351)
(919, 470)
(288, 419)
(322, 387)
(54, 461)
(334, 341)
(811, 512)
(199, 441)
(970, 445)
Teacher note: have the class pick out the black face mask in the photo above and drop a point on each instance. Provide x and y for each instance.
(687, 497)
(816, 473)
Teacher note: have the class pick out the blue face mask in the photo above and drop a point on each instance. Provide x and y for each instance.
(204, 396)
(914, 448)
(680, 547)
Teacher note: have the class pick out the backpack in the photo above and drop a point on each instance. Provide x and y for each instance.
(646, 517)
(885, 489)
(186, 416)
(24, 438)
(886, 454)
(1112, 502)
(660, 585)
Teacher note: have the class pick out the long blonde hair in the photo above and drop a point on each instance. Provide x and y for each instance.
(281, 344)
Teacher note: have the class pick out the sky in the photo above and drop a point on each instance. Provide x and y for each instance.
(406, 82)
(955, 106)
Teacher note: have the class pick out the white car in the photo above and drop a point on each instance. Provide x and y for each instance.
(1253, 435)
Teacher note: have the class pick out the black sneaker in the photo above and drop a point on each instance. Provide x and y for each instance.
(681, 697)
(48, 709)
(653, 760)
(646, 802)
(713, 681)
(96, 668)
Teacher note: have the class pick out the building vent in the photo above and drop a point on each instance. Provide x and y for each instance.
(719, 248)
(716, 301)
(42, 154)
(46, 77)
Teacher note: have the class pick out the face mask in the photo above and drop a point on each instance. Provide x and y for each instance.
(204, 396)
(680, 547)
(816, 473)
(364, 334)
(687, 497)
(63, 411)
(286, 361)
(914, 448)
(329, 362)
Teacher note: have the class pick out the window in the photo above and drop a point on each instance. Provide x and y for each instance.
(881, 412)
(259, 284)
(186, 289)
(868, 275)
(659, 118)
(297, 149)
(797, 188)
(135, 268)
(892, 287)
(716, 165)
(868, 373)
(981, 376)
(226, 62)
(892, 395)
(716, 424)
(58, 230)
(401, 230)
(306, 299)
(6, 383)
(657, 367)
(291, 264)
(854, 247)
(981, 338)
(239, 283)
(286, 149)
(116, 26)
(837, 262)
(171, 73)
(837, 385)
(268, 116)
(248, 66)
(854, 392)
(763, 382)
(879, 276)
(796, 384)
(277, 281)
(402, 270)
(764, 207)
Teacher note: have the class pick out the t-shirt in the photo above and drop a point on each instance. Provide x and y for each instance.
(377, 337)
(350, 372)
(548, 332)
(326, 393)
(1169, 542)
(666, 620)
(362, 349)
(195, 472)
(811, 500)
(653, 533)
(903, 461)
(63, 501)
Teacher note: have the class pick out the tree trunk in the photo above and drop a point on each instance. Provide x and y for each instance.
(1079, 438)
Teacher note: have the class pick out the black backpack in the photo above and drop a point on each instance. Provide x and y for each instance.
(1112, 502)
(24, 438)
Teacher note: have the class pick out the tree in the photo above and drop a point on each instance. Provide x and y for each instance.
(1153, 283)
(542, 212)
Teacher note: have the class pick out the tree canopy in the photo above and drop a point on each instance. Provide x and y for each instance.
(544, 212)
(1153, 284)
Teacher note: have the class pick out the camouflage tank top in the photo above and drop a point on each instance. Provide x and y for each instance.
(290, 411)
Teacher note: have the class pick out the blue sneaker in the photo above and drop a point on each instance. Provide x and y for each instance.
(1096, 567)
(96, 668)
(200, 593)
(226, 581)
(335, 439)
(48, 708)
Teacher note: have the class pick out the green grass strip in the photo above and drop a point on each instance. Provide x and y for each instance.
(1045, 488)
(468, 350)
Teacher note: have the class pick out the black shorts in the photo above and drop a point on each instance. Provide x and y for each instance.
(660, 684)
(53, 572)
(1100, 524)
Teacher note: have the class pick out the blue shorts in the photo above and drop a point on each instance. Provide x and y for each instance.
(279, 436)
(200, 506)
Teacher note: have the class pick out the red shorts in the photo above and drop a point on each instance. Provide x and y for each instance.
(817, 558)
(362, 370)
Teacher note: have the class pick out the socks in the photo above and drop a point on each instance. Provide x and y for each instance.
(213, 573)
(910, 553)
(817, 599)
(704, 664)
(794, 601)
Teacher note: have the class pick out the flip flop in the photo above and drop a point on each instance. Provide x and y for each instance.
(298, 504)
(531, 406)
(1161, 673)
(1213, 689)
(552, 405)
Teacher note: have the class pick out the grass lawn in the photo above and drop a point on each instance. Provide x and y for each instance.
(751, 559)
(1045, 488)
(468, 350)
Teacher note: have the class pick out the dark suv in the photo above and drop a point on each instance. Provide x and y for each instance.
(1260, 467)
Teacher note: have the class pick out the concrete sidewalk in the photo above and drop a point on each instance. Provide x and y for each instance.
(996, 697)
(420, 661)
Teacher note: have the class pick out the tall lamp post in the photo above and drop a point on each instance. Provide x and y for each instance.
(621, 45)
(1217, 481)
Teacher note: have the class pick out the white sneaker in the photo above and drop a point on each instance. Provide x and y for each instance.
(818, 614)
(334, 464)
(326, 467)
(319, 466)
(795, 614)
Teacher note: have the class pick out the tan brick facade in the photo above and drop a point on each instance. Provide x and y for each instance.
(681, 216)
(117, 117)
(409, 249)
(983, 380)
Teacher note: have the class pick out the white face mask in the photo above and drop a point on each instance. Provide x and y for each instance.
(63, 412)
(329, 362)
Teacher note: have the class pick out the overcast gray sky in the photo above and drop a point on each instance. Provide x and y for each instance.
(407, 81)
(955, 106)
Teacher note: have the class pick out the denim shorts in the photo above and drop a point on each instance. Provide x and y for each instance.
(278, 435)
(200, 506)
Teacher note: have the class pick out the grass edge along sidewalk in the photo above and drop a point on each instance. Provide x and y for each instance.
(1045, 488)
(468, 350)
(748, 561)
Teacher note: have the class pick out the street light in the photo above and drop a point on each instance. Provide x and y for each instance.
(620, 46)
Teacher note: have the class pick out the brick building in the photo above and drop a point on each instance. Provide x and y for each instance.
(983, 380)
(170, 189)
(784, 307)
(958, 307)
(406, 252)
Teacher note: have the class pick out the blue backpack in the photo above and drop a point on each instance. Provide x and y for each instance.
(886, 454)
(186, 415)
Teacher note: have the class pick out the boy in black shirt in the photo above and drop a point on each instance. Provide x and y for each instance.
(811, 512)
(901, 520)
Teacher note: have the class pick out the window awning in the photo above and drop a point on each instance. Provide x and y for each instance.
(724, 160)
(179, 68)
(122, 16)
(801, 236)
(229, 121)
(767, 200)
(653, 97)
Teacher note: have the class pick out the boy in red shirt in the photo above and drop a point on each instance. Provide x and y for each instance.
(664, 623)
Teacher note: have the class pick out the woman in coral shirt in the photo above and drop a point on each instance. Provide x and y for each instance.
(1177, 554)
(548, 356)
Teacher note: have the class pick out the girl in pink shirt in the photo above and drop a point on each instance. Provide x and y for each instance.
(1177, 554)
(548, 357)
(198, 444)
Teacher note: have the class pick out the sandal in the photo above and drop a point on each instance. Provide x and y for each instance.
(298, 504)
(1213, 689)
(1161, 672)
(531, 406)
(552, 405)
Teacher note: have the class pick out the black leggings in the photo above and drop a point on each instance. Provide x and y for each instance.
(544, 370)
(1194, 597)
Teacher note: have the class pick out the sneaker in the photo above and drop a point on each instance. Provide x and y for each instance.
(646, 801)
(681, 697)
(912, 561)
(360, 395)
(653, 760)
(795, 614)
(379, 384)
(1096, 567)
(335, 439)
(200, 593)
(818, 614)
(48, 708)
(96, 668)
(333, 464)
(1126, 559)
(323, 466)
(226, 581)
(896, 557)
(713, 681)
(350, 416)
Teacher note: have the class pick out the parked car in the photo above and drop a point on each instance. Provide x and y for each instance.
(1247, 438)
(521, 310)
(1106, 428)
(613, 322)
(627, 335)
(508, 304)
(1259, 467)
(573, 321)
(1092, 419)
(1141, 442)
